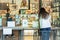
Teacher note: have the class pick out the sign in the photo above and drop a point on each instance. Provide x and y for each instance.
(11, 24)
(7, 31)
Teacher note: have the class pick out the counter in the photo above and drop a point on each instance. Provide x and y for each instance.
(21, 28)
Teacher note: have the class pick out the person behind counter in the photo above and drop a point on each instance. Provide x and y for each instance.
(7, 14)
(17, 18)
(10, 18)
(45, 24)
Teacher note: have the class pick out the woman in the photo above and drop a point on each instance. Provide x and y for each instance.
(45, 24)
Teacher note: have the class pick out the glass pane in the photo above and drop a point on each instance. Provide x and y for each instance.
(56, 14)
(20, 11)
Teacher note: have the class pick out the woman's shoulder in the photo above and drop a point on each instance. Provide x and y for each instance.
(49, 17)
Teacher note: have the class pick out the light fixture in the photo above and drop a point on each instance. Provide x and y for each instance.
(7, 2)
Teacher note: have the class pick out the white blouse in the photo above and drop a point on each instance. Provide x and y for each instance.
(45, 23)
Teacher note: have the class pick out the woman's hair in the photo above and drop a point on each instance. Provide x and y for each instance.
(43, 13)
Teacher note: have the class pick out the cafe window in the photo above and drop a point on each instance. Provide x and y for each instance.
(56, 13)
(24, 13)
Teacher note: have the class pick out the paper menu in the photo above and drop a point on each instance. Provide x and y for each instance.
(11, 23)
(7, 31)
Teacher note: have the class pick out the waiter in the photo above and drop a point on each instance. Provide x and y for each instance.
(7, 15)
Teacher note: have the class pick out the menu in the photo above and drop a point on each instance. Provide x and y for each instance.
(7, 31)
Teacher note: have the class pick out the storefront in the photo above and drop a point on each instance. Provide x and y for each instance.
(24, 14)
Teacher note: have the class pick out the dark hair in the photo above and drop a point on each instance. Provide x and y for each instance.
(43, 12)
(8, 9)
